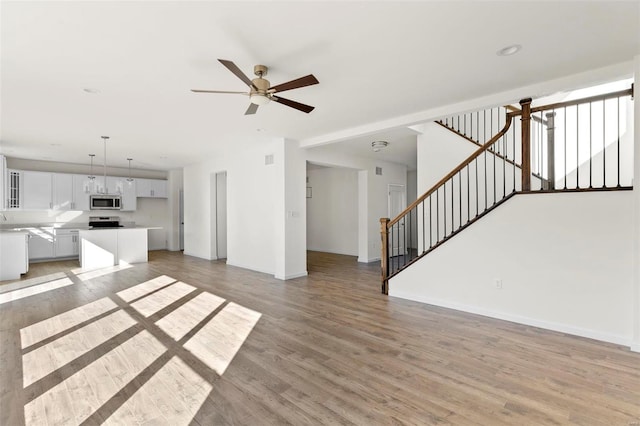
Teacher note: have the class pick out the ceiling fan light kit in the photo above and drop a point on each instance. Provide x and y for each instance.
(260, 90)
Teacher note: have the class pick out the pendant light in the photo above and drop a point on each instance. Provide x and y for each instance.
(104, 141)
(130, 179)
(89, 184)
(91, 176)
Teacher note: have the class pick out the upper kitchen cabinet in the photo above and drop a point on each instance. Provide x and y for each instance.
(152, 188)
(3, 183)
(82, 187)
(62, 191)
(37, 190)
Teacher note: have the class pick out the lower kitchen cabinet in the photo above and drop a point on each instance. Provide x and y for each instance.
(41, 243)
(66, 243)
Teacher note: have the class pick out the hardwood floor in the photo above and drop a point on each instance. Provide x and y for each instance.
(181, 340)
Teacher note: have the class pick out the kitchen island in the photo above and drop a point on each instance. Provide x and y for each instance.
(103, 247)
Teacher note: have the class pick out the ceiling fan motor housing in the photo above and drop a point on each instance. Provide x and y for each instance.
(262, 85)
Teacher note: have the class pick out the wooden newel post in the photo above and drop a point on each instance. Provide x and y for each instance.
(526, 144)
(384, 257)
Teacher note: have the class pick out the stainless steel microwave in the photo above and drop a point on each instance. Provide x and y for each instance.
(105, 202)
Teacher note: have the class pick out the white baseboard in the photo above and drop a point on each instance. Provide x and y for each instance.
(251, 268)
(548, 325)
(635, 347)
(292, 276)
(373, 259)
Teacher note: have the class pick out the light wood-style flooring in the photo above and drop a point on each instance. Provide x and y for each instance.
(181, 340)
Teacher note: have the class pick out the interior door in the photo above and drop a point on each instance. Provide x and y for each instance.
(221, 214)
(181, 236)
(397, 203)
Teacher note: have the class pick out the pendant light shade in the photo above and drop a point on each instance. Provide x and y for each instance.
(129, 179)
(89, 184)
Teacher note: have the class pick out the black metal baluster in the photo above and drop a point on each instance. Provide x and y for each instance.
(404, 240)
(453, 214)
(513, 138)
(484, 127)
(468, 196)
(618, 141)
(444, 210)
(504, 166)
(437, 215)
(430, 221)
(604, 145)
(477, 192)
(485, 180)
(564, 141)
(494, 174)
(424, 240)
(577, 150)
(590, 146)
(460, 198)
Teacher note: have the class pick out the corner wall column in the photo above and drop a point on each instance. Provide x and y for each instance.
(635, 343)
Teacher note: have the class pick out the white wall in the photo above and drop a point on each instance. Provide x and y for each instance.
(291, 210)
(252, 195)
(372, 194)
(562, 266)
(332, 211)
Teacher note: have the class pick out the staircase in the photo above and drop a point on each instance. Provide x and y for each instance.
(564, 147)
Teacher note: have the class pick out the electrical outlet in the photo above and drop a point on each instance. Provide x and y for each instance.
(498, 283)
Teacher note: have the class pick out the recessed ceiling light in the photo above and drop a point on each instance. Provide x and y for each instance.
(509, 50)
(90, 90)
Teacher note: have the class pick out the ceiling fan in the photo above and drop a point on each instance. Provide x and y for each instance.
(260, 90)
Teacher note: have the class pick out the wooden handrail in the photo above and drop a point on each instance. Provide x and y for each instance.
(455, 171)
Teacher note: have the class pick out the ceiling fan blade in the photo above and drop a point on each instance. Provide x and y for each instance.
(234, 69)
(307, 80)
(217, 91)
(293, 104)
(251, 110)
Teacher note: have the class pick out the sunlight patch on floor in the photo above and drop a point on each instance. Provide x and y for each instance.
(145, 288)
(85, 275)
(217, 343)
(31, 281)
(44, 329)
(48, 358)
(172, 396)
(34, 289)
(174, 391)
(162, 298)
(75, 399)
(179, 322)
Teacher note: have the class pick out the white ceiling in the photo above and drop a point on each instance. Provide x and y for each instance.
(374, 60)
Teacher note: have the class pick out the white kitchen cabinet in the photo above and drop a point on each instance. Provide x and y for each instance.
(14, 189)
(36, 190)
(62, 191)
(66, 243)
(82, 187)
(152, 188)
(14, 247)
(3, 183)
(41, 243)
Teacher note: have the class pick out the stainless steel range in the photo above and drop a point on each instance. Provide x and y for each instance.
(104, 222)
